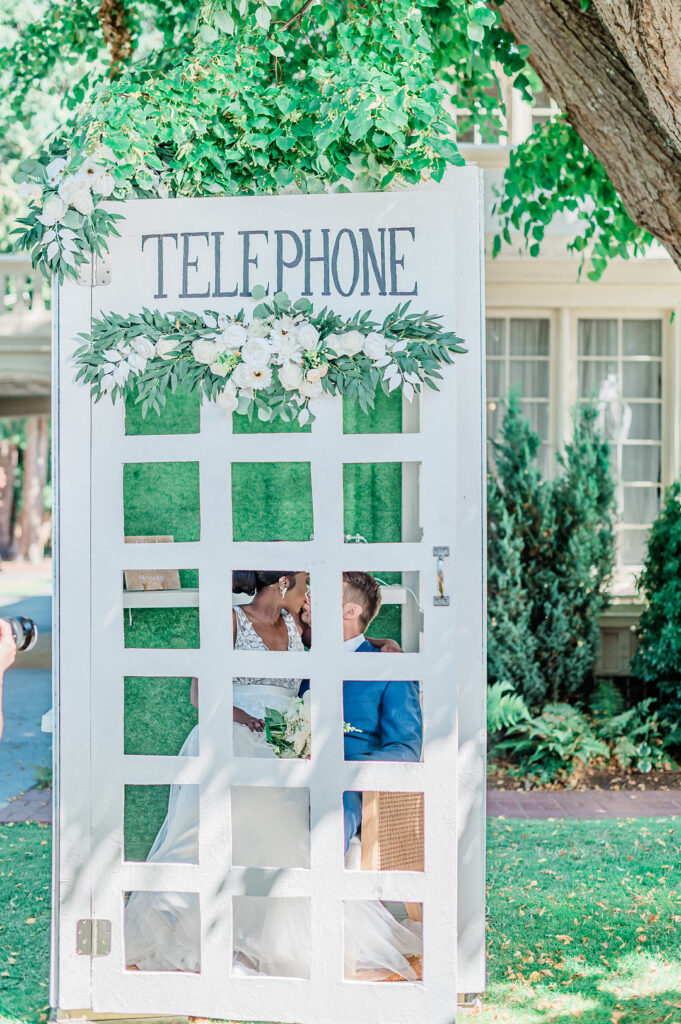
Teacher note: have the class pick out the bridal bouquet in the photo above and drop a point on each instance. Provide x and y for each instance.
(289, 731)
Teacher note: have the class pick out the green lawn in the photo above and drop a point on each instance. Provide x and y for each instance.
(584, 922)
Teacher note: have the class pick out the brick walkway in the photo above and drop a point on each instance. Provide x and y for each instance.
(572, 803)
(36, 804)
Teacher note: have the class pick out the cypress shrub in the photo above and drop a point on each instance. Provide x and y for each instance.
(657, 660)
(550, 558)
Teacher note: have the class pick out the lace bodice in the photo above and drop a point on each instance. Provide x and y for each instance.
(248, 640)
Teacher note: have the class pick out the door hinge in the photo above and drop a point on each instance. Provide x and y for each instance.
(96, 272)
(93, 937)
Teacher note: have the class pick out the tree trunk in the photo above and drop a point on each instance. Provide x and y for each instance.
(8, 464)
(35, 478)
(615, 71)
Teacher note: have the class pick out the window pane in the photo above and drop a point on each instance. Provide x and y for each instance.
(538, 415)
(544, 458)
(531, 378)
(641, 462)
(641, 504)
(593, 379)
(496, 385)
(496, 336)
(597, 337)
(641, 380)
(633, 547)
(495, 416)
(646, 421)
(641, 337)
(529, 337)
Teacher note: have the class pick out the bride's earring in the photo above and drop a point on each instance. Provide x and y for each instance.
(283, 589)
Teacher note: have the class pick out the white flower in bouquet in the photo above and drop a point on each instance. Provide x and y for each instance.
(311, 388)
(288, 346)
(144, 347)
(374, 345)
(166, 348)
(53, 211)
(76, 192)
(104, 184)
(97, 178)
(137, 362)
(347, 344)
(228, 398)
(204, 350)
(119, 371)
(291, 376)
(55, 171)
(163, 191)
(308, 336)
(316, 373)
(258, 328)
(107, 383)
(256, 377)
(31, 191)
(256, 353)
(234, 336)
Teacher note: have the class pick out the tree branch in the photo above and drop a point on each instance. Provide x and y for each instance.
(582, 67)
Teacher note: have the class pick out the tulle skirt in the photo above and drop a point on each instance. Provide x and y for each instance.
(271, 935)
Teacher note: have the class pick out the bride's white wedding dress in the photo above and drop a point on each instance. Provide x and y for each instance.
(270, 828)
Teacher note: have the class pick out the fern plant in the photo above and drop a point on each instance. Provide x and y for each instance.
(553, 745)
(505, 707)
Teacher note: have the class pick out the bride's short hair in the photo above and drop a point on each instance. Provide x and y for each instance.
(363, 588)
(251, 581)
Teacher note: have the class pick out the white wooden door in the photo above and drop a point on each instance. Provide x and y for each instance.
(436, 234)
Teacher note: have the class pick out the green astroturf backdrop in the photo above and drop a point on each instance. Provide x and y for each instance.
(271, 501)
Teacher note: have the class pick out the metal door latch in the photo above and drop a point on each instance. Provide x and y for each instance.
(440, 553)
(93, 937)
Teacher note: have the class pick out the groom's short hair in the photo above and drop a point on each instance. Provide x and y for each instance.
(363, 588)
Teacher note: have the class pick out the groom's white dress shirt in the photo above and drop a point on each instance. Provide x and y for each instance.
(353, 643)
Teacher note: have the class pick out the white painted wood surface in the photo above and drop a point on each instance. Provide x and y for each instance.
(93, 768)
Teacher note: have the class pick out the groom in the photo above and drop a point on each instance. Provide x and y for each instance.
(387, 713)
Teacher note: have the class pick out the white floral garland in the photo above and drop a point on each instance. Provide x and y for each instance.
(272, 364)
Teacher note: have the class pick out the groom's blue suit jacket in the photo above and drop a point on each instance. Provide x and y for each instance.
(389, 715)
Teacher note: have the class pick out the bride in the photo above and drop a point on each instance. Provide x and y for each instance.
(270, 828)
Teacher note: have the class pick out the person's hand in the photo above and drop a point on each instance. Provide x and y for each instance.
(306, 611)
(390, 647)
(242, 718)
(8, 648)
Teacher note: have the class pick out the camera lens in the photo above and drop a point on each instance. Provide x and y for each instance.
(24, 631)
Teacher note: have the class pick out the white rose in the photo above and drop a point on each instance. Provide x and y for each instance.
(256, 377)
(227, 399)
(163, 191)
(316, 373)
(113, 355)
(144, 347)
(204, 350)
(308, 336)
(31, 190)
(374, 345)
(223, 320)
(290, 376)
(76, 193)
(137, 362)
(107, 383)
(348, 344)
(104, 184)
(258, 329)
(53, 211)
(233, 336)
(166, 348)
(219, 369)
(311, 388)
(256, 353)
(288, 347)
(55, 171)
